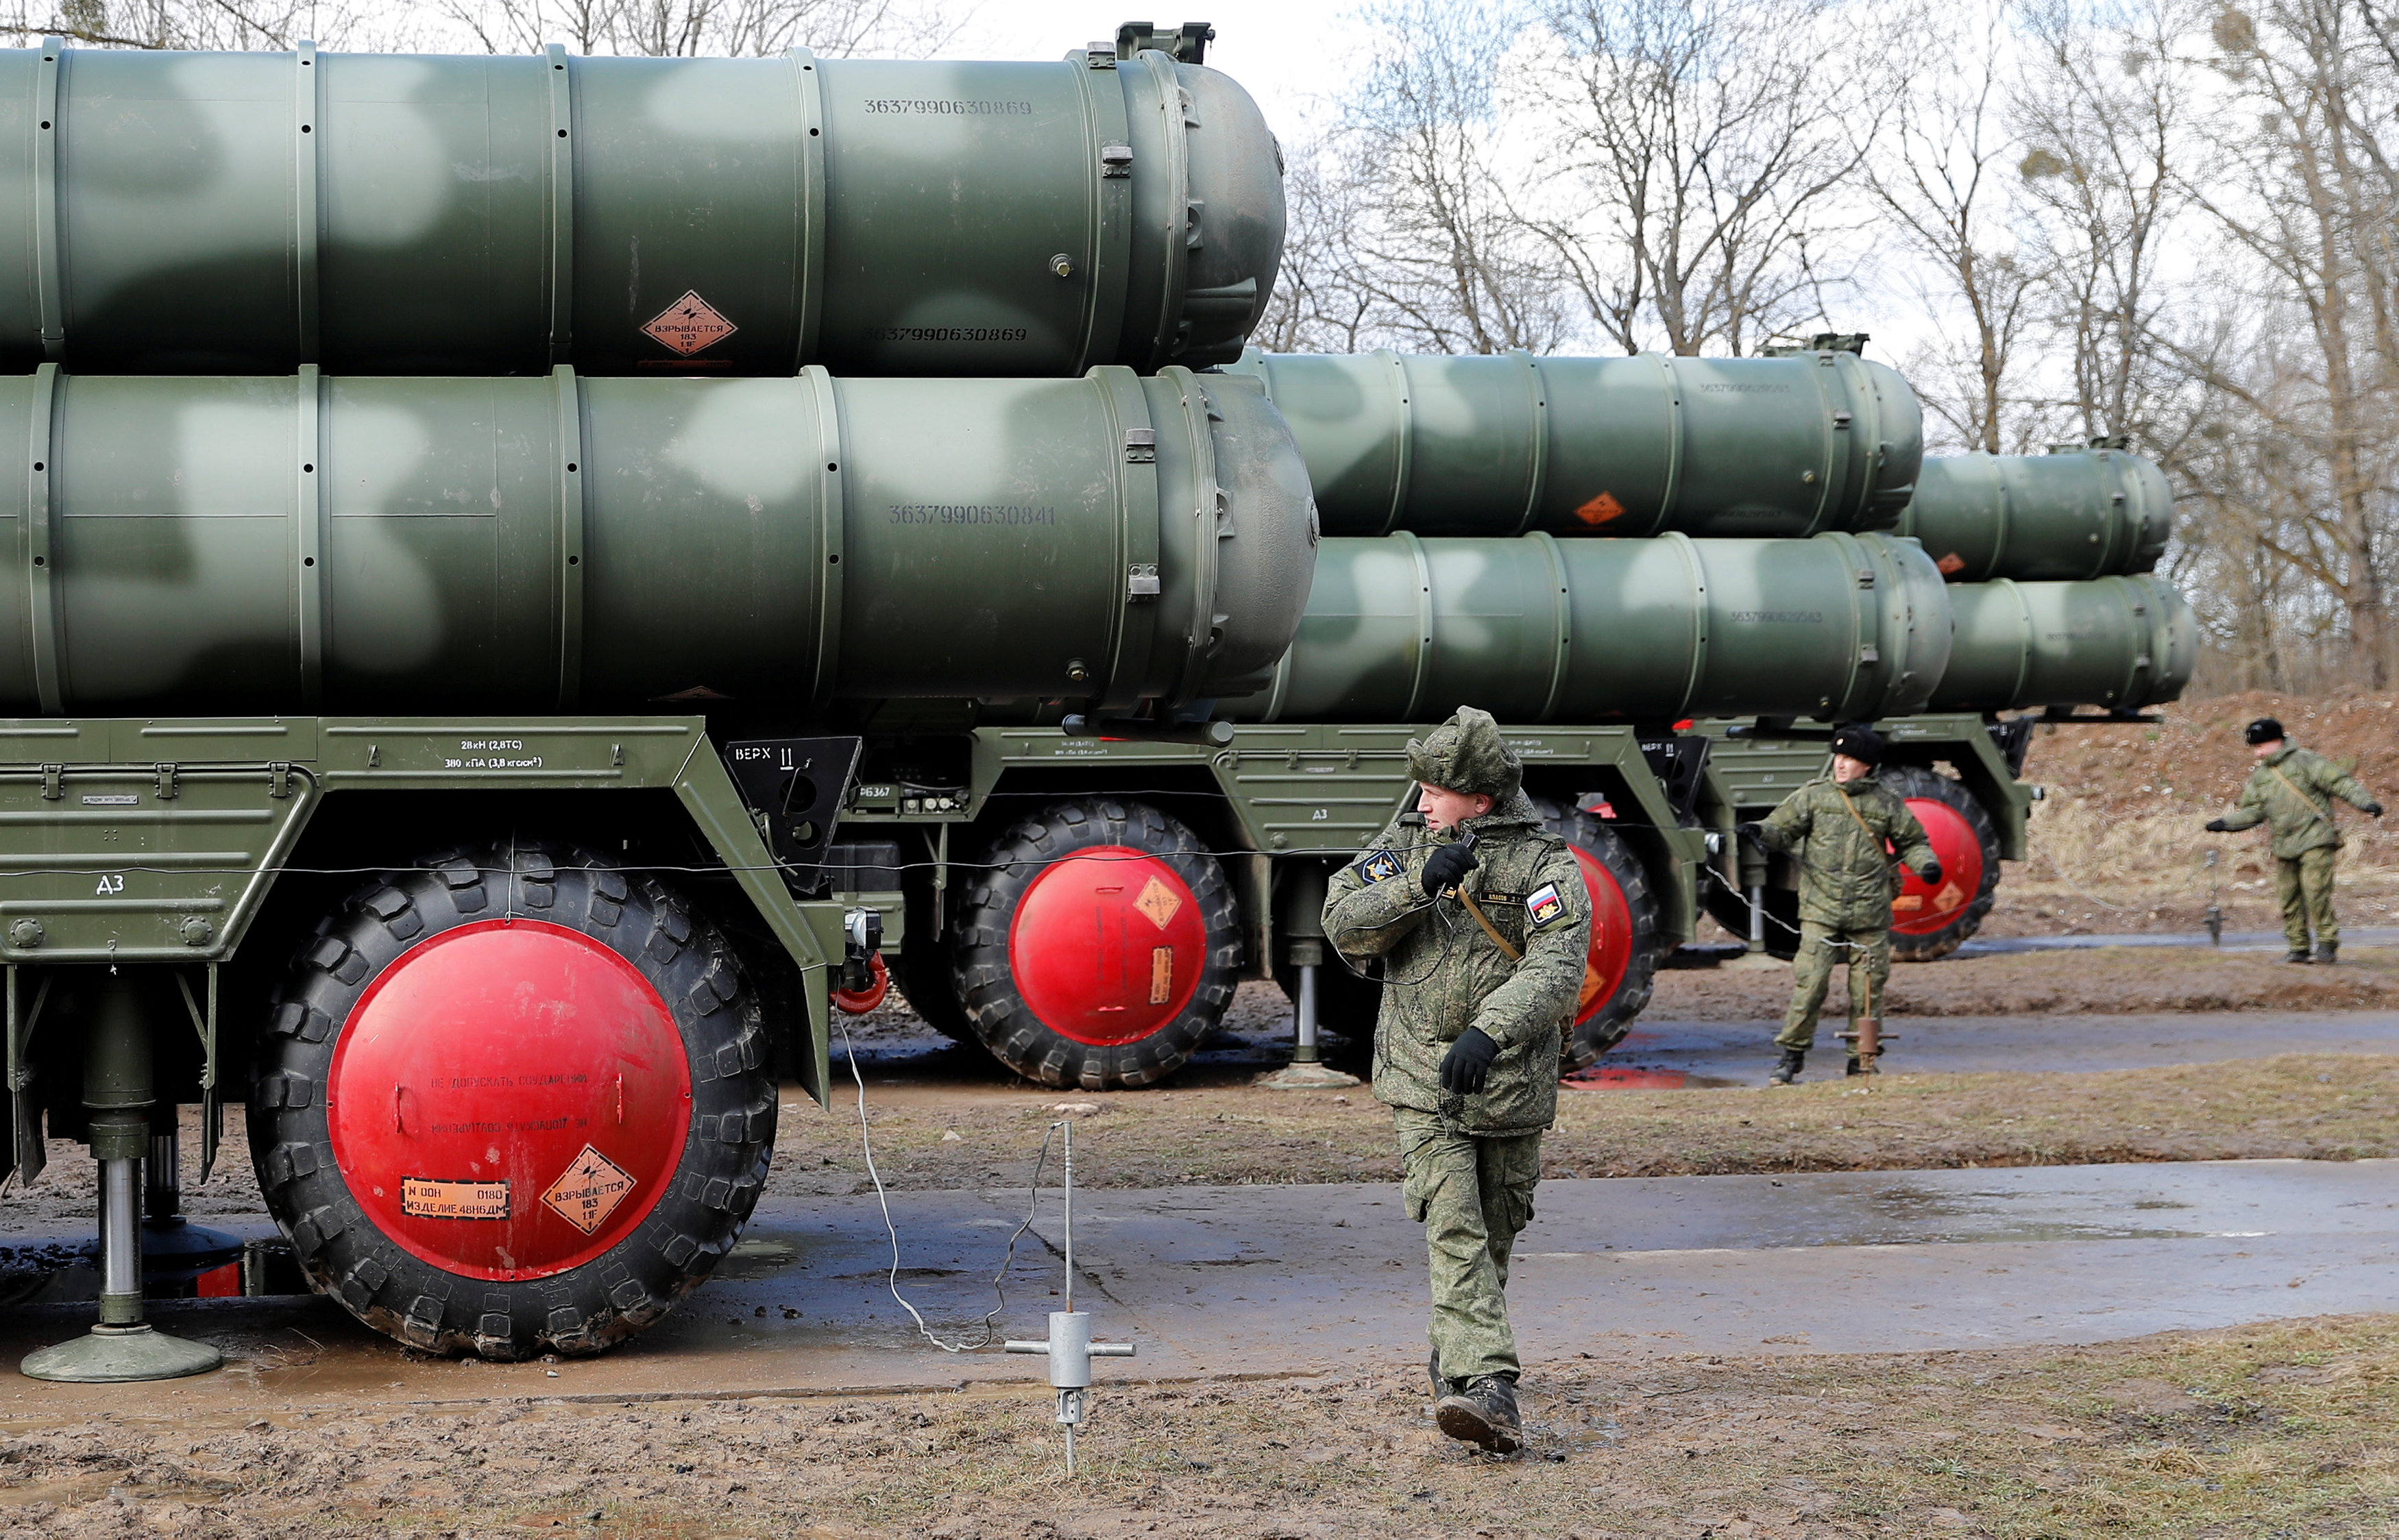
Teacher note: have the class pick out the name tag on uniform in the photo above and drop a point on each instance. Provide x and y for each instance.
(1543, 905)
(1380, 866)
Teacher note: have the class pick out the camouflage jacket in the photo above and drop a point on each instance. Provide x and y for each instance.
(1441, 973)
(1847, 878)
(2292, 791)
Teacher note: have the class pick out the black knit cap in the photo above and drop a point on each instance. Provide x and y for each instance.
(1859, 742)
(2263, 729)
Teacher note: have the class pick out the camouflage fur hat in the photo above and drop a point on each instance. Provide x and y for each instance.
(1467, 754)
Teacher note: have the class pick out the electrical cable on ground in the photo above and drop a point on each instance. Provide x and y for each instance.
(999, 1280)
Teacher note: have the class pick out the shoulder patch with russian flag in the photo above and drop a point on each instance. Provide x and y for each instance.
(1543, 906)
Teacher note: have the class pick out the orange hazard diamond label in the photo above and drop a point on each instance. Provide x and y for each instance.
(1950, 897)
(689, 325)
(1158, 901)
(589, 1190)
(1601, 509)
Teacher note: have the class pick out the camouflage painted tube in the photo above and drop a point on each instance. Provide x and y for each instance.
(1511, 443)
(295, 545)
(420, 215)
(2118, 642)
(2041, 517)
(1537, 629)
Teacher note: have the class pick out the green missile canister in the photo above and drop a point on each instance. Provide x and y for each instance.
(247, 545)
(1536, 629)
(2069, 514)
(1511, 443)
(421, 214)
(2117, 643)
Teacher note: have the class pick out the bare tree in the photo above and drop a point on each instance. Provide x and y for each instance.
(2301, 188)
(1706, 147)
(1942, 181)
(688, 28)
(199, 24)
(1419, 243)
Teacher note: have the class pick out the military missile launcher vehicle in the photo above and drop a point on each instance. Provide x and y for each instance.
(2050, 561)
(439, 696)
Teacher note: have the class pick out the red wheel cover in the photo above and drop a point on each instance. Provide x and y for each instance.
(1921, 908)
(858, 1002)
(1106, 945)
(1611, 936)
(509, 1098)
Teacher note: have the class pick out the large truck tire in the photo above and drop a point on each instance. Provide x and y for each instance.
(925, 972)
(1931, 921)
(512, 1102)
(1099, 946)
(1620, 969)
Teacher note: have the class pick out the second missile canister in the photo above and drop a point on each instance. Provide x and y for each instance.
(1510, 443)
(247, 213)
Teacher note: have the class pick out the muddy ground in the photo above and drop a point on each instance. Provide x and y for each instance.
(2284, 1429)
(2120, 845)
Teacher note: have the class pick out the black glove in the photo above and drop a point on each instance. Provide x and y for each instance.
(1446, 866)
(1753, 833)
(1931, 874)
(2372, 810)
(2217, 826)
(1468, 1064)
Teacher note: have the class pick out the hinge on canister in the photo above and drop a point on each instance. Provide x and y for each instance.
(1141, 580)
(1841, 419)
(1865, 577)
(166, 783)
(53, 782)
(278, 780)
(1140, 446)
(1869, 654)
(1100, 55)
(1116, 160)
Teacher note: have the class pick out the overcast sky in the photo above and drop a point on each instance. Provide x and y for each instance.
(1284, 52)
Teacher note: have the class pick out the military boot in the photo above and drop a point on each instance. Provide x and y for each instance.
(2298, 954)
(2328, 953)
(1788, 1071)
(1484, 1414)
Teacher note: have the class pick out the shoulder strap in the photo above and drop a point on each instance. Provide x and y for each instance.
(2308, 801)
(1489, 928)
(1853, 811)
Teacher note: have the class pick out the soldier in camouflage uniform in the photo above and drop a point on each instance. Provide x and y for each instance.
(1482, 922)
(2292, 790)
(1842, 829)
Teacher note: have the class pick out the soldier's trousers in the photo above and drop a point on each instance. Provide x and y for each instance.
(1821, 947)
(1473, 1195)
(2304, 884)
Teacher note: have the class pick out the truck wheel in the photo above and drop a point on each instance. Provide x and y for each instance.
(925, 968)
(1621, 966)
(511, 1104)
(1099, 947)
(1929, 923)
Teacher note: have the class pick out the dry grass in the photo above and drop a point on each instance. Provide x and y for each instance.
(2279, 1429)
(2316, 1107)
(2119, 843)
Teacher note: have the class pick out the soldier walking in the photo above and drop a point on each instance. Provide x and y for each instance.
(2291, 790)
(1482, 923)
(1843, 829)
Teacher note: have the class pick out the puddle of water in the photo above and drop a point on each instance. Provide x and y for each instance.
(755, 1257)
